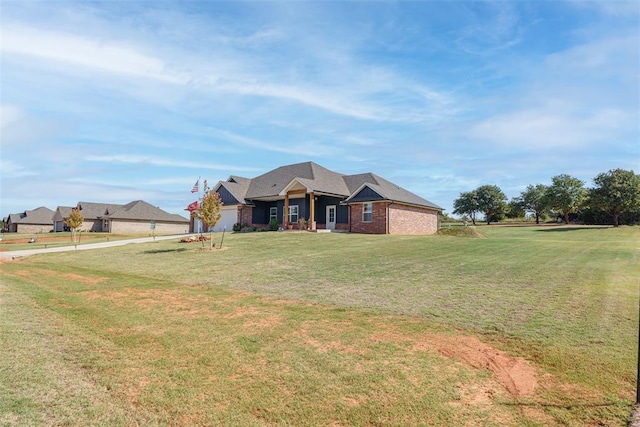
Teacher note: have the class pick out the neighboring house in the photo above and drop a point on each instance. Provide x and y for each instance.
(61, 213)
(362, 203)
(135, 217)
(38, 220)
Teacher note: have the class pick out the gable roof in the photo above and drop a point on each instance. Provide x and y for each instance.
(235, 185)
(311, 175)
(90, 210)
(41, 215)
(141, 210)
(315, 178)
(63, 212)
(387, 190)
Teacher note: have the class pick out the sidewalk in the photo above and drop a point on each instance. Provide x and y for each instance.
(9, 255)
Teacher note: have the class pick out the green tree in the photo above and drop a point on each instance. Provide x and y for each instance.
(534, 199)
(491, 201)
(514, 209)
(466, 204)
(74, 221)
(566, 195)
(616, 192)
(209, 209)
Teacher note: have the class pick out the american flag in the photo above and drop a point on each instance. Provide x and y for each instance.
(195, 186)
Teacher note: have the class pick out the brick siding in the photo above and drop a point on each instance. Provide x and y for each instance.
(405, 219)
(245, 215)
(378, 223)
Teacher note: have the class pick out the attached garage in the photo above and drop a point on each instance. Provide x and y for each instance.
(228, 219)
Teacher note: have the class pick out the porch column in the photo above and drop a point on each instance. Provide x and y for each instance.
(312, 214)
(285, 214)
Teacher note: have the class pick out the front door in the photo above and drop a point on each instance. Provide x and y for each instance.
(331, 217)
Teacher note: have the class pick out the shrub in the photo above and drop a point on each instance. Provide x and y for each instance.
(273, 225)
(237, 226)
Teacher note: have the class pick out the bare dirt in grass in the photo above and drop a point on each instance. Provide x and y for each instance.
(69, 276)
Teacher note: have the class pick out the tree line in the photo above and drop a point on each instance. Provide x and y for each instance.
(613, 199)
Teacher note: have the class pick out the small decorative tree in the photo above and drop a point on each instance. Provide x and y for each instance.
(74, 221)
(209, 210)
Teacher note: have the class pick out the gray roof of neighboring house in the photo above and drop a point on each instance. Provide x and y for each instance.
(64, 211)
(41, 216)
(317, 179)
(136, 210)
(90, 210)
(141, 210)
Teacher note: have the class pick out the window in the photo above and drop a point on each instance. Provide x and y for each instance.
(367, 212)
(273, 213)
(293, 213)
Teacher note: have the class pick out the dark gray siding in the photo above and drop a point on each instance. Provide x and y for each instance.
(342, 212)
(226, 197)
(366, 195)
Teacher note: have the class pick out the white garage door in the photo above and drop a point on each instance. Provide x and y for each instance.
(228, 218)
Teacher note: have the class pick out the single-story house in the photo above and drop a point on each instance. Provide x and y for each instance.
(134, 217)
(362, 203)
(38, 220)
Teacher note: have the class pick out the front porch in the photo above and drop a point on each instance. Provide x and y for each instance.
(320, 211)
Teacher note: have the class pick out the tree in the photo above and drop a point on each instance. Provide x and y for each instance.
(534, 199)
(466, 204)
(514, 209)
(209, 209)
(491, 201)
(566, 195)
(615, 192)
(74, 221)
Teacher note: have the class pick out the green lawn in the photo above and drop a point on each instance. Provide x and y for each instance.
(326, 329)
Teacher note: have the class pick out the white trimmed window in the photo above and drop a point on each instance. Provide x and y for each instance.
(367, 212)
(293, 213)
(273, 213)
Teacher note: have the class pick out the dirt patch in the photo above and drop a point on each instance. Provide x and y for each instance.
(70, 276)
(515, 374)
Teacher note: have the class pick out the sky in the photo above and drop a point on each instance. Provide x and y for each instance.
(116, 101)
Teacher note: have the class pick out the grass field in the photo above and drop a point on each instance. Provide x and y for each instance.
(20, 241)
(532, 326)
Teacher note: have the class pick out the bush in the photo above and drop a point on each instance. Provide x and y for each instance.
(273, 225)
(237, 226)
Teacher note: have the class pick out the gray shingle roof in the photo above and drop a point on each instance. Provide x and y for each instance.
(390, 191)
(141, 210)
(237, 186)
(41, 215)
(90, 210)
(312, 175)
(317, 179)
(64, 211)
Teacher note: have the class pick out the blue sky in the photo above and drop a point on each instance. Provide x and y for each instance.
(115, 101)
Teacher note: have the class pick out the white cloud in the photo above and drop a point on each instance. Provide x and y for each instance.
(9, 114)
(164, 162)
(11, 169)
(93, 53)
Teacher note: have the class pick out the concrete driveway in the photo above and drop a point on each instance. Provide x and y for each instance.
(9, 255)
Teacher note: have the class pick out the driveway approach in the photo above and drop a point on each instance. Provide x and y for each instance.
(9, 255)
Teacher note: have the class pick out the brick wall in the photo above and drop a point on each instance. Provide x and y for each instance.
(33, 228)
(405, 219)
(245, 215)
(378, 224)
